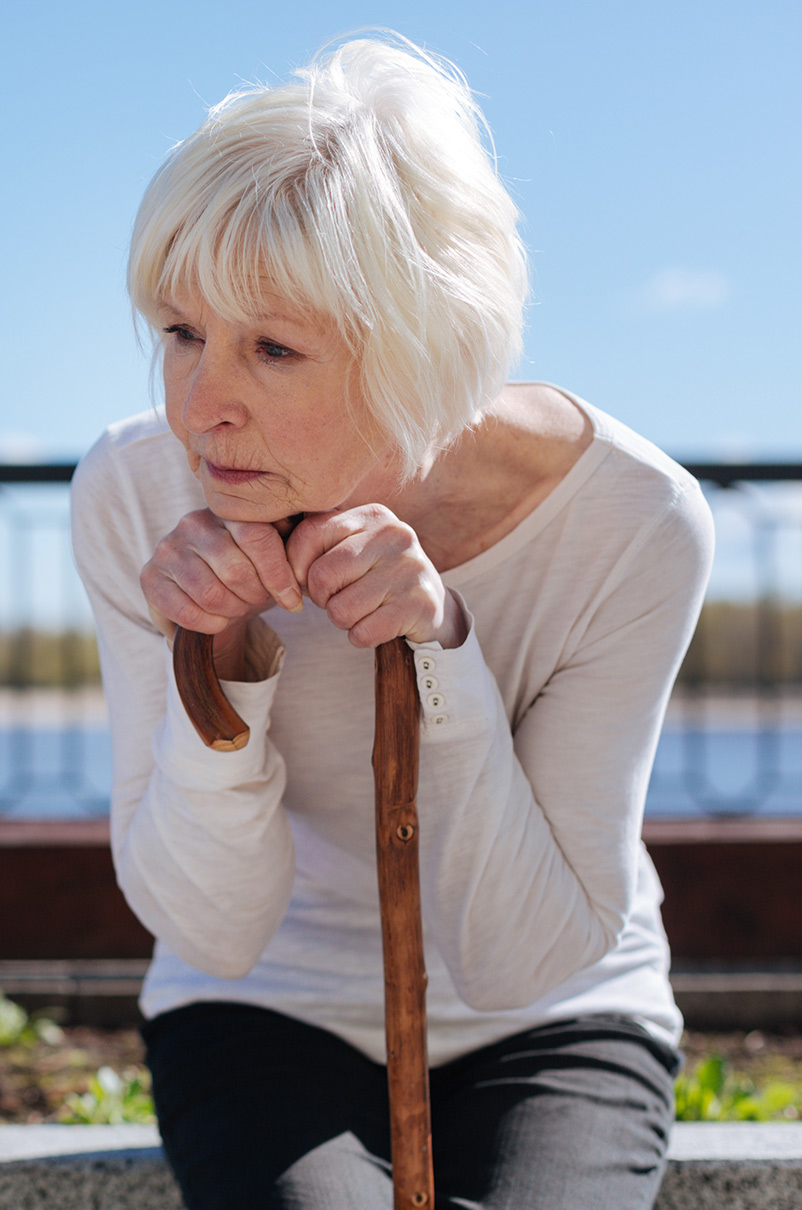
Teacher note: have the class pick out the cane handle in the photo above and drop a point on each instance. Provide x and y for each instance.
(214, 718)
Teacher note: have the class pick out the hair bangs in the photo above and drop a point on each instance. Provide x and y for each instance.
(360, 192)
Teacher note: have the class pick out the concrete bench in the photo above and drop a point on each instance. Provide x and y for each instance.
(712, 1166)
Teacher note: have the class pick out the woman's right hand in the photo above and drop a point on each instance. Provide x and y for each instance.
(213, 576)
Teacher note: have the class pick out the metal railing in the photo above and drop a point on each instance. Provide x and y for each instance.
(732, 745)
(54, 745)
(733, 738)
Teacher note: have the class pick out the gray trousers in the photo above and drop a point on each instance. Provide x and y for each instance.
(260, 1112)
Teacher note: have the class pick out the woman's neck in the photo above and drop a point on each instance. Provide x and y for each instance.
(474, 493)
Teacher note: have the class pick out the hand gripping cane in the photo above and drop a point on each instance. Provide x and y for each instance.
(395, 769)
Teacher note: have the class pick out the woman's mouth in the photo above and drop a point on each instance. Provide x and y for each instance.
(230, 474)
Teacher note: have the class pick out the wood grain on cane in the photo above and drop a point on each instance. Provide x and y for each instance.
(395, 768)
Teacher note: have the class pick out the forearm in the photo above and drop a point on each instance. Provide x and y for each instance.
(531, 808)
(204, 853)
(510, 914)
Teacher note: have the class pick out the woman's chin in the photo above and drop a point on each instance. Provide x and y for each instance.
(229, 506)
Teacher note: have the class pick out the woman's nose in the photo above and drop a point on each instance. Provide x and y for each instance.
(212, 397)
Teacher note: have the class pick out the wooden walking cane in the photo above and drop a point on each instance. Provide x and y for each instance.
(395, 769)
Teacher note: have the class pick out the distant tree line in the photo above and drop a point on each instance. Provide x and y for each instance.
(46, 659)
(759, 643)
(734, 645)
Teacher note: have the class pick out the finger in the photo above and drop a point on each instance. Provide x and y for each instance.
(199, 544)
(246, 556)
(232, 567)
(171, 606)
(263, 549)
(163, 623)
(408, 605)
(319, 533)
(383, 624)
(329, 551)
(174, 566)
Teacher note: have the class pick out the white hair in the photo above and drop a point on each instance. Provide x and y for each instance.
(360, 191)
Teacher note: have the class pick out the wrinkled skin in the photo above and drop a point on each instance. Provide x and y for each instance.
(267, 416)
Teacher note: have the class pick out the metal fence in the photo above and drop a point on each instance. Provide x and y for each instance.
(732, 744)
(54, 745)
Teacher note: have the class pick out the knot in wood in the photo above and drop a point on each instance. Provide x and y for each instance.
(405, 831)
(419, 1199)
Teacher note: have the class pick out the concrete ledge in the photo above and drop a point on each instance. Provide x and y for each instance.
(739, 1165)
(84, 1168)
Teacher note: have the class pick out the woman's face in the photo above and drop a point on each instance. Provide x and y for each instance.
(261, 410)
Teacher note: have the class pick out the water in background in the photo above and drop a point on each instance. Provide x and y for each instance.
(727, 772)
(53, 772)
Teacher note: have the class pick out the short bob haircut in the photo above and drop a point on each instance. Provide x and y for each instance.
(361, 192)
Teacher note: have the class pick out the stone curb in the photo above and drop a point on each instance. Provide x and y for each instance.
(740, 1165)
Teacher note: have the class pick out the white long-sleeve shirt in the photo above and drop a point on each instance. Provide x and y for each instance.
(255, 870)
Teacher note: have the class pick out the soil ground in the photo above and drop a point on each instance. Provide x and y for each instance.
(35, 1080)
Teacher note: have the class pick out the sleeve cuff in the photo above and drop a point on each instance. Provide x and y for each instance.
(180, 752)
(457, 691)
(264, 652)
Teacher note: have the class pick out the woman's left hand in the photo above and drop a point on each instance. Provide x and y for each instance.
(370, 573)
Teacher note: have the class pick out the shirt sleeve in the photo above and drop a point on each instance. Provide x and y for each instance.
(530, 834)
(201, 843)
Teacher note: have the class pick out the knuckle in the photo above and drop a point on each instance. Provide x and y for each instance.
(319, 583)
(192, 617)
(263, 548)
(235, 570)
(216, 598)
(255, 535)
(378, 513)
(192, 527)
(147, 578)
(370, 632)
(166, 549)
(340, 612)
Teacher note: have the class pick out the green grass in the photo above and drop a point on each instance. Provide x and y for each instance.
(714, 1092)
(111, 1098)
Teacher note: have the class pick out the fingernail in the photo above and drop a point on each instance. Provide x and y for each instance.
(291, 600)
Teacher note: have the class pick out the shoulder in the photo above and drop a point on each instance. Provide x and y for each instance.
(132, 487)
(141, 444)
(634, 475)
(627, 505)
(653, 502)
(611, 478)
(132, 457)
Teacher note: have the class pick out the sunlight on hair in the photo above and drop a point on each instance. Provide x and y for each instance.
(360, 191)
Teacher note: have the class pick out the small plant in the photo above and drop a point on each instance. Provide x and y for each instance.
(111, 1099)
(17, 1028)
(713, 1093)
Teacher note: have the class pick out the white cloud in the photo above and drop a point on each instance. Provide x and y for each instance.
(679, 289)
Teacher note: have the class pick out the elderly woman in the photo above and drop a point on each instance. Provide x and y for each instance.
(333, 276)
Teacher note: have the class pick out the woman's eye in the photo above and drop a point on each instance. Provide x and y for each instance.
(274, 352)
(183, 335)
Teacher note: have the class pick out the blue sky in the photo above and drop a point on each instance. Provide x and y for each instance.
(653, 149)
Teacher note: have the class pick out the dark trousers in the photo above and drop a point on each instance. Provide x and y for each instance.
(258, 1111)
